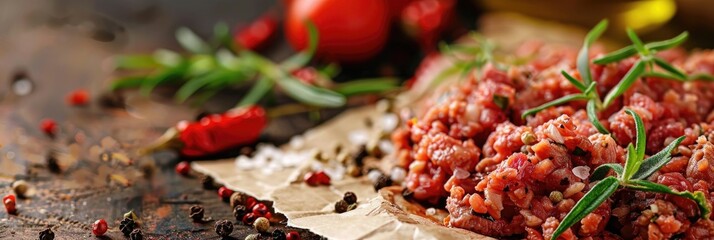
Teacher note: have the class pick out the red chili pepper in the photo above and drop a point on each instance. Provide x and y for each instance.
(79, 97)
(214, 133)
(9, 202)
(258, 34)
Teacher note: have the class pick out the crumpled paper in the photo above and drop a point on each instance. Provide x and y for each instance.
(382, 215)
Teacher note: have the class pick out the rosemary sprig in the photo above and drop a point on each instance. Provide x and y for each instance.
(632, 176)
(644, 66)
(214, 65)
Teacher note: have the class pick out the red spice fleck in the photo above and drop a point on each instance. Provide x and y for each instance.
(225, 193)
(183, 168)
(260, 209)
(99, 227)
(79, 97)
(258, 34)
(249, 218)
(250, 203)
(9, 202)
(317, 178)
(293, 235)
(49, 126)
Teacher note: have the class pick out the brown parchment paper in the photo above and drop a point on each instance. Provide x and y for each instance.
(383, 215)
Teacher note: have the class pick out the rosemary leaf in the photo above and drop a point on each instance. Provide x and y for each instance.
(592, 116)
(617, 55)
(573, 81)
(630, 163)
(583, 61)
(193, 85)
(641, 137)
(624, 84)
(261, 87)
(669, 68)
(556, 102)
(135, 62)
(639, 46)
(161, 77)
(311, 95)
(657, 161)
(701, 76)
(697, 196)
(127, 82)
(669, 43)
(303, 57)
(663, 76)
(590, 201)
(366, 86)
(601, 171)
(191, 42)
(167, 58)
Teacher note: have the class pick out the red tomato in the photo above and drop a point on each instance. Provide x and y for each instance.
(349, 31)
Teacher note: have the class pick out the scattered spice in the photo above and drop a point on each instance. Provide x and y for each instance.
(196, 213)
(52, 164)
(239, 212)
(136, 235)
(278, 235)
(10, 204)
(382, 181)
(183, 168)
(260, 209)
(21, 188)
(225, 193)
(120, 179)
(317, 178)
(207, 182)
(293, 235)
(224, 228)
(253, 236)
(555, 196)
(132, 215)
(249, 218)
(250, 202)
(528, 138)
(49, 127)
(261, 224)
(78, 98)
(341, 206)
(398, 174)
(354, 171)
(237, 198)
(99, 227)
(351, 207)
(47, 234)
(126, 226)
(350, 197)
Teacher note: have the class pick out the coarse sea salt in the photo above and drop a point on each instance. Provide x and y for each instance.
(270, 158)
(582, 172)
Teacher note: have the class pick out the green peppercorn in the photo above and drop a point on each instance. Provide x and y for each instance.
(528, 138)
(556, 196)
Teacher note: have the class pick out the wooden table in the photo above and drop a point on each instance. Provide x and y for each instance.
(63, 48)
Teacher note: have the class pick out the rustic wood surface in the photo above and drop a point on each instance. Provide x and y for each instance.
(62, 48)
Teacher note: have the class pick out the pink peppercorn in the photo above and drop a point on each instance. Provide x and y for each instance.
(9, 202)
(183, 168)
(260, 209)
(225, 193)
(99, 227)
(293, 235)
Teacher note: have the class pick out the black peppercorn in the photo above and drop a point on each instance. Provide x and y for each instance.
(207, 182)
(341, 206)
(350, 197)
(239, 211)
(136, 235)
(52, 164)
(126, 226)
(382, 181)
(279, 235)
(196, 213)
(47, 234)
(224, 228)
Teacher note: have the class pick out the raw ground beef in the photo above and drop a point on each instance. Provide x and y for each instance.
(504, 176)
